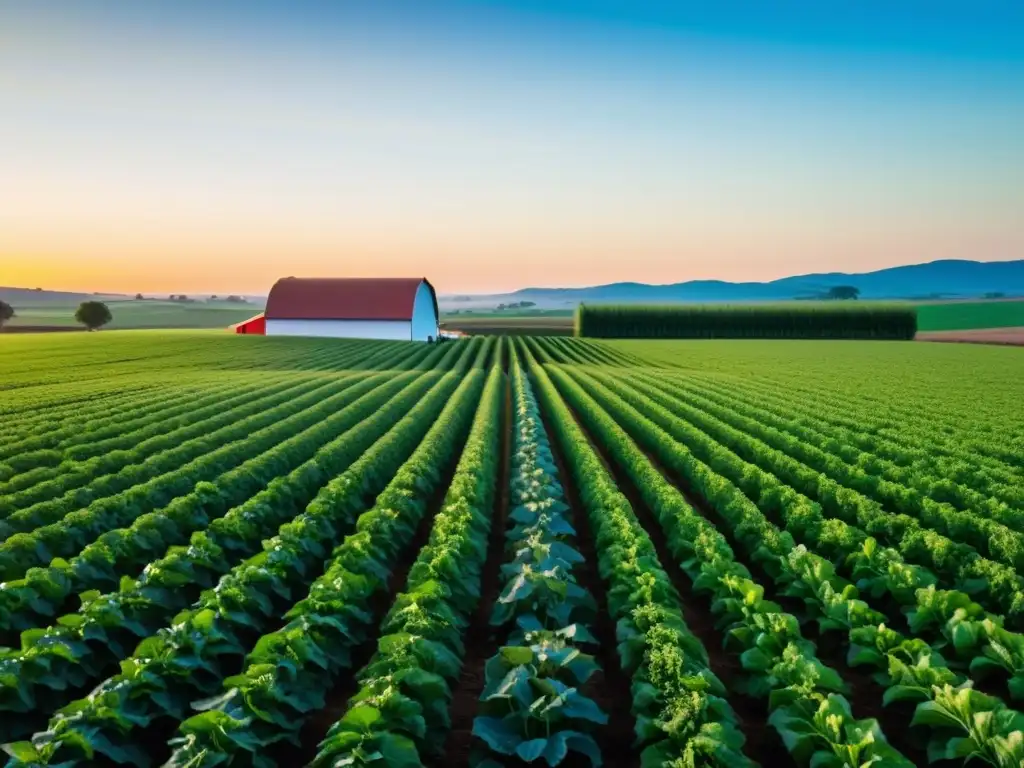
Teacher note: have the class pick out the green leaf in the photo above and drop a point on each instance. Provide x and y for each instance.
(361, 718)
(25, 751)
(933, 714)
(498, 734)
(903, 693)
(532, 749)
(582, 708)
(574, 742)
(825, 759)
(515, 655)
(398, 751)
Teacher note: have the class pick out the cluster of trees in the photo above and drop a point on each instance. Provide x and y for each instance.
(91, 314)
(516, 305)
(214, 297)
(843, 292)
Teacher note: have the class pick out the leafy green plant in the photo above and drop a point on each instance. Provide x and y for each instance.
(289, 671)
(401, 709)
(532, 707)
(829, 737)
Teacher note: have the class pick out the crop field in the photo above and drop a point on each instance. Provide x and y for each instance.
(222, 550)
(128, 313)
(967, 315)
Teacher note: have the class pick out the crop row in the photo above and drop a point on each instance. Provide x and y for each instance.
(68, 525)
(400, 711)
(679, 704)
(992, 582)
(532, 706)
(31, 435)
(957, 623)
(290, 671)
(264, 488)
(192, 655)
(78, 435)
(779, 664)
(957, 481)
(909, 669)
(909, 419)
(44, 483)
(1002, 542)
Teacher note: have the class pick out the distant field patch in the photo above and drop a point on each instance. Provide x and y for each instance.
(497, 323)
(137, 314)
(789, 320)
(958, 316)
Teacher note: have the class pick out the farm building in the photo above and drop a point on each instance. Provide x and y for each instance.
(255, 325)
(401, 309)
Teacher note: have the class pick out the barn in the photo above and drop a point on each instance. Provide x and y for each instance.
(397, 308)
(255, 325)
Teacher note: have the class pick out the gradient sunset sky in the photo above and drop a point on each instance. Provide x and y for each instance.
(193, 146)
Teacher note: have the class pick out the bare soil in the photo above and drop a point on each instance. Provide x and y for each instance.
(1006, 336)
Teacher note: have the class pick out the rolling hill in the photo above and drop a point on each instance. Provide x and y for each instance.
(936, 279)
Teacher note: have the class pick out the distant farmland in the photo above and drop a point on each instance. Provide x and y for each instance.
(932, 316)
(128, 313)
(969, 315)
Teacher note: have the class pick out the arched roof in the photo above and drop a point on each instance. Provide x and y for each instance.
(345, 298)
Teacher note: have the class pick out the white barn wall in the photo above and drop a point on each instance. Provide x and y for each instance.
(396, 330)
(424, 318)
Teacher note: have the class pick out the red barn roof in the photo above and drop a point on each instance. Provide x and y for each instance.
(345, 298)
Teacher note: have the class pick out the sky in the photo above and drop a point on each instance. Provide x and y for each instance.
(191, 146)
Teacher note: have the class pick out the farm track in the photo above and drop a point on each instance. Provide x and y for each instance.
(271, 509)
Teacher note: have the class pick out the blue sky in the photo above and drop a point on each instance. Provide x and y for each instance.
(194, 146)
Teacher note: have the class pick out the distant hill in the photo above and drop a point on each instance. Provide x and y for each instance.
(22, 296)
(936, 279)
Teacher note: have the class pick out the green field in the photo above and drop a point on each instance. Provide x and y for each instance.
(128, 313)
(222, 550)
(967, 315)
